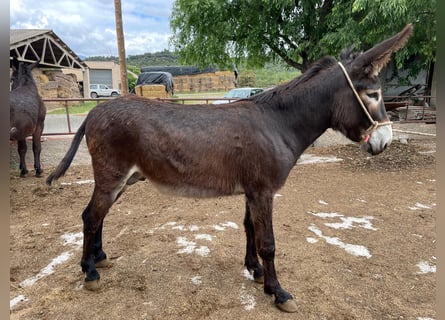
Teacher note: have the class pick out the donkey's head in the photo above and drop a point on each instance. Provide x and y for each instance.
(362, 101)
(21, 73)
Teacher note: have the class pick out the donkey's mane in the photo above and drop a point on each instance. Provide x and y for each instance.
(318, 66)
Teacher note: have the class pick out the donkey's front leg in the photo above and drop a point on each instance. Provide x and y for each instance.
(261, 215)
(251, 260)
(37, 149)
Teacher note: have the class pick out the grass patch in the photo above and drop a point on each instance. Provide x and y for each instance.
(79, 108)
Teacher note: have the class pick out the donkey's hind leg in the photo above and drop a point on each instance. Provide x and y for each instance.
(22, 148)
(106, 192)
(100, 257)
(93, 217)
(251, 260)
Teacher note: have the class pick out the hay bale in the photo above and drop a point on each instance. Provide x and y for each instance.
(43, 78)
(153, 87)
(138, 90)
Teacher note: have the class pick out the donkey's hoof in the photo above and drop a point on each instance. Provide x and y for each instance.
(260, 279)
(105, 263)
(92, 285)
(39, 173)
(288, 306)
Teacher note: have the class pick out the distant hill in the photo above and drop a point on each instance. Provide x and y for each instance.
(163, 58)
(272, 73)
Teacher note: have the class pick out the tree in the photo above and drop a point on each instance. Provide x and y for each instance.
(297, 32)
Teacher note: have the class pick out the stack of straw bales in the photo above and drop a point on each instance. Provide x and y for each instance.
(212, 81)
(55, 84)
(152, 91)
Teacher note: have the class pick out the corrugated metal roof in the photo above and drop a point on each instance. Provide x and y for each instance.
(42, 45)
(19, 35)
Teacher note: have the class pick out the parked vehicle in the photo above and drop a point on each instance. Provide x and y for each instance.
(238, 93)
(102, 90)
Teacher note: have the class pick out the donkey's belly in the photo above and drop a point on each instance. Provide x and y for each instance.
(190, 191)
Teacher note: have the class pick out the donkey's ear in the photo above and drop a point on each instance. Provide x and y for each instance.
(375, 59)
(33, 65)
(15, 63)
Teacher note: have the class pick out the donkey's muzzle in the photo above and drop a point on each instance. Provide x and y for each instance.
(379, 140)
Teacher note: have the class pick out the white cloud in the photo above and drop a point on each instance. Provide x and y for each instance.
(88, 26)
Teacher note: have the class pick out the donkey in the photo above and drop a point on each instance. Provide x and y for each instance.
(27, 114)
(245, 147)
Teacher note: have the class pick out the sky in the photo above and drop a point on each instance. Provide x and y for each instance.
(88, 26)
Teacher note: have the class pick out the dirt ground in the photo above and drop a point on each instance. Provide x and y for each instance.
(355, 239)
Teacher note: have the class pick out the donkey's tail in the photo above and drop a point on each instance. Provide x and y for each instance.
(66, 161)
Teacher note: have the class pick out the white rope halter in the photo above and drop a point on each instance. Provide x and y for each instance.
(374, 124)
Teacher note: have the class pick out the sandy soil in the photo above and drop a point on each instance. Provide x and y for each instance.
(355, 240)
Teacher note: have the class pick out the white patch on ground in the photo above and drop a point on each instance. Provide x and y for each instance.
(13, 302)
(187, 246)
(190, 247)
(424, 318)
(322, 202)
(197, 280)
(207, 237)
(75, 239)
(307, 158)
(419, 206)
(182, 227)
(247, 300)
(347, 222)
(354, 249)
(202, 251)
(224, 225)
(426, 267)
(46, 271)
(311, 240)
(277, 195)
(80, 182)
(248, 275)
(353, 222)
(326, 214)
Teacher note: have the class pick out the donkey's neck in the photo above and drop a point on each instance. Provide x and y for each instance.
(305, 111)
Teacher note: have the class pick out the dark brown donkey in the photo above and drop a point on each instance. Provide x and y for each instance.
(27, 114)
(248, 146)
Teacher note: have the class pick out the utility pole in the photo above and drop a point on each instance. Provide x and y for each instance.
(121, 46)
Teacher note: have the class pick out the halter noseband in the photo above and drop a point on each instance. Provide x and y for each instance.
(374, 124)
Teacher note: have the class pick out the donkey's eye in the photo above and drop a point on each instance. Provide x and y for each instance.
(373, 95)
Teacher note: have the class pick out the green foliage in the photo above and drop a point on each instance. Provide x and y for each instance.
(365, 23)
(247, 79)
(132, 75)
(162, 58)
(296, 32)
